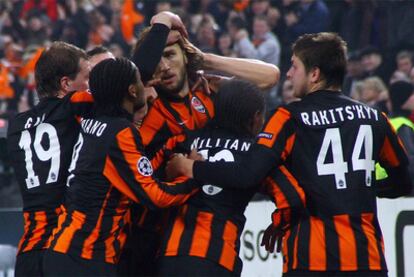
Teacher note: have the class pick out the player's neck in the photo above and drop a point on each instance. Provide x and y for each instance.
(185, 90)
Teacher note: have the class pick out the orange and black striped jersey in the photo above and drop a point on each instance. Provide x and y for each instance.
(170, 117)
(40, 144)
(167, 118)
(108, 170)
(330, 143)
(210, 224)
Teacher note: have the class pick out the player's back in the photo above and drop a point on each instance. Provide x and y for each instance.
(40, 144)
(212, 220)
(335, 143)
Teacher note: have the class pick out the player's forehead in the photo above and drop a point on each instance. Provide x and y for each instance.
(173, 48)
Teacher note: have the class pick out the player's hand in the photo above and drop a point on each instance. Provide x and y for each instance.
(194, 155)
(171, 20)
(179, 165)
(281, 222)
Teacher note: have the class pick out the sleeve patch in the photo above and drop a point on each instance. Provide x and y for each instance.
(144, 166)
(265, 135)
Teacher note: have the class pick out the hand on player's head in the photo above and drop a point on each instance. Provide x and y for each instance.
(171, 20)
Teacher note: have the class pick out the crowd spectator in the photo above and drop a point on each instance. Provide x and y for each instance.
(374, 93)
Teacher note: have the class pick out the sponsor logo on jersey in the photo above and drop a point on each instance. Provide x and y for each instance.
(197, 105)
(144, 166)
(211, 190)
(265, 135)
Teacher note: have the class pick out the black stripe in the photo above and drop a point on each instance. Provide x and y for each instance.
(29, 234)
(303, 244)
(98, 253)
(51, 223)
(333, 258)
(291, 245)
(190, 221)
(65, 224)
(174, 215)
(158, 140)
(361, 243)
(378, 236)
(288, 190)
(216, 239)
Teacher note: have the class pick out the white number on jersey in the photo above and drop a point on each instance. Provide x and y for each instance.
(338, 167)
(52, 153)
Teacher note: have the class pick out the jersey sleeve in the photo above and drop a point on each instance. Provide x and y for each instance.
(166, 151)
(273, 146)
(147, 56)
(393, 158)
(130, 171)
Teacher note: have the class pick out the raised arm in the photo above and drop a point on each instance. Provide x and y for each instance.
(264, 75)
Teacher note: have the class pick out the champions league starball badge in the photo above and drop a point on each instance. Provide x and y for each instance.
(144, 166)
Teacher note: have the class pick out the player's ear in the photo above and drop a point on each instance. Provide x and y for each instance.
(315, 74)
(65, 83)
(132, 91)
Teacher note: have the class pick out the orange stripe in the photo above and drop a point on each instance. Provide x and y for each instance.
(275, 192)
(157, 196)
(294, 183)
(110, 253)
(58, 212)
(274, 126)
(347, 244)
(202, 235)
(177, 232)
(373, 251)
(152, 123)
(317, 247)
(26, 230)
(228, 253)
(39, 230)
(65, 239)
(388, 154)
(288, 148)
(89, 243)
(111, 173)
(295, 249)
(81, 96)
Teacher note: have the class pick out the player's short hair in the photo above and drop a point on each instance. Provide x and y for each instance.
(235, 104)
(109, 81)
(327, 51)
(98, 50)
(59, 60)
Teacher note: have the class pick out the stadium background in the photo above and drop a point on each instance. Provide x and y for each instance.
(380, 37)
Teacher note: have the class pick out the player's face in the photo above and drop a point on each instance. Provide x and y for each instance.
(171, 71)
(299, 78)
(81, 81)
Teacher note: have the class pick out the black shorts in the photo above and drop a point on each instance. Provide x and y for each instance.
(58, 264)
(190, 266)
(29, 263)
(358, 273)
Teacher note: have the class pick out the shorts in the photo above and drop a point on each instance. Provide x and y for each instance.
(29, 263)
(58, 264)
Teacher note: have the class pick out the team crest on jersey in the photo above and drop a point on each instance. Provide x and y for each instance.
(211, 190)
(265, 135)
(197, 105)
(144, 166)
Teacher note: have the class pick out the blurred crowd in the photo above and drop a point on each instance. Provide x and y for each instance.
(380, 37)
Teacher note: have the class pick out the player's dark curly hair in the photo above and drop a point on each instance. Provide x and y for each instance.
(109, 81)
(235, 104)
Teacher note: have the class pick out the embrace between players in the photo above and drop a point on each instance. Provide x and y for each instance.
(81, 162)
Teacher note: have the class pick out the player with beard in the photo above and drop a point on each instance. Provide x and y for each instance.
(177, 110)
(330, 143)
